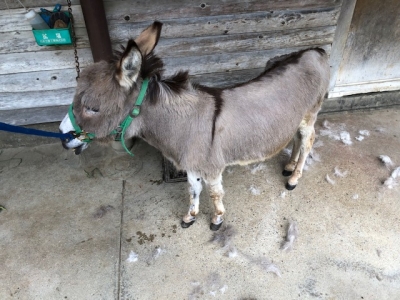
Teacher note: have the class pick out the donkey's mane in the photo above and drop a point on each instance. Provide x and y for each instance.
(159, 87)
(163, 88)
(276, 66)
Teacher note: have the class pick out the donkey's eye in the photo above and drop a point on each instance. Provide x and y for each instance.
(91, 110)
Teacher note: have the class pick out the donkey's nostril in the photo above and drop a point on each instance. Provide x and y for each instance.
(64, 144)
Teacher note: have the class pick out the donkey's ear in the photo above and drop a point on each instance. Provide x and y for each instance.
(128, 67)
(148, 39)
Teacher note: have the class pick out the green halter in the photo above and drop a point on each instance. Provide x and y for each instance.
(120, 131)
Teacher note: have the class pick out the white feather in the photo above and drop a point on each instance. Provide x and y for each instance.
(395, 173)
(380, 129)
(255, 191)
(359, 138)
(329, 180)
(232, 252)
(157, 253)
(364, 132)
(386, 160)
(291, 236)
(223, 289)
(224, 237)
(390, 182)
(133, 257)
(268, 266)
(339, 173)
(345, 138)
(318, 144)
(258, 167)
(330, 134)
(326, 124)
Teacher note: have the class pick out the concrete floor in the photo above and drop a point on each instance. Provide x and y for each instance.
(71, 223)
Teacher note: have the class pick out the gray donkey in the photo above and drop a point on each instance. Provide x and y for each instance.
(201, 129)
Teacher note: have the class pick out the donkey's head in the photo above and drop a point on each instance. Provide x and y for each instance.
(106, 92)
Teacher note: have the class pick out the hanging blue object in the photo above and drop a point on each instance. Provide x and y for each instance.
(46, 15)
(57, 8)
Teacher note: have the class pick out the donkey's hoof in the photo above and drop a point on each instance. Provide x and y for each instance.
(186, 225)
(286, 173)
(290, 187)
(215, 227)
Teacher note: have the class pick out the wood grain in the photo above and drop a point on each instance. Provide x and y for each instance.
(220, 42)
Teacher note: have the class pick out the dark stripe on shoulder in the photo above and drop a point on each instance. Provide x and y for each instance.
(320, 51)
(218, 103)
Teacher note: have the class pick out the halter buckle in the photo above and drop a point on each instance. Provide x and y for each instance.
(83, 136)
(135, 111)
(118, 134)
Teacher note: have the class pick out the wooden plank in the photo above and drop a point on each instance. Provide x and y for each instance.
(225, 62)
(195, 38)
(339, 41)
(33, 115)
(63, 59)
(361, 101)
(40, 61)
(33, 3)
(374, 86)
(371, 58)
(147, 11)
(117, 13)
(244, 42)
(21, 100)
(16, 42)
(14, 19)
(23, 41)
(231, 24)
(38, 81)
(56, 113)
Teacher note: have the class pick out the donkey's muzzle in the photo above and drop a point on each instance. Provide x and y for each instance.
(74, 144)
(78, 150)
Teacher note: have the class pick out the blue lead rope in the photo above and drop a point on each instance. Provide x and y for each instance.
(23, 130)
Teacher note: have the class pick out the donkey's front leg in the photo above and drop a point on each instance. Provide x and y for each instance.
(216, 194)
(195, 188)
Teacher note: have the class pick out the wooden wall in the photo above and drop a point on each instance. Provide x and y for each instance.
(370, 61)
(220, 42)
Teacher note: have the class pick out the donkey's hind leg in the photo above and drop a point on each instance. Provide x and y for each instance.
(216, 194)
(195, 188)
(307, 136)
(294, 157)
